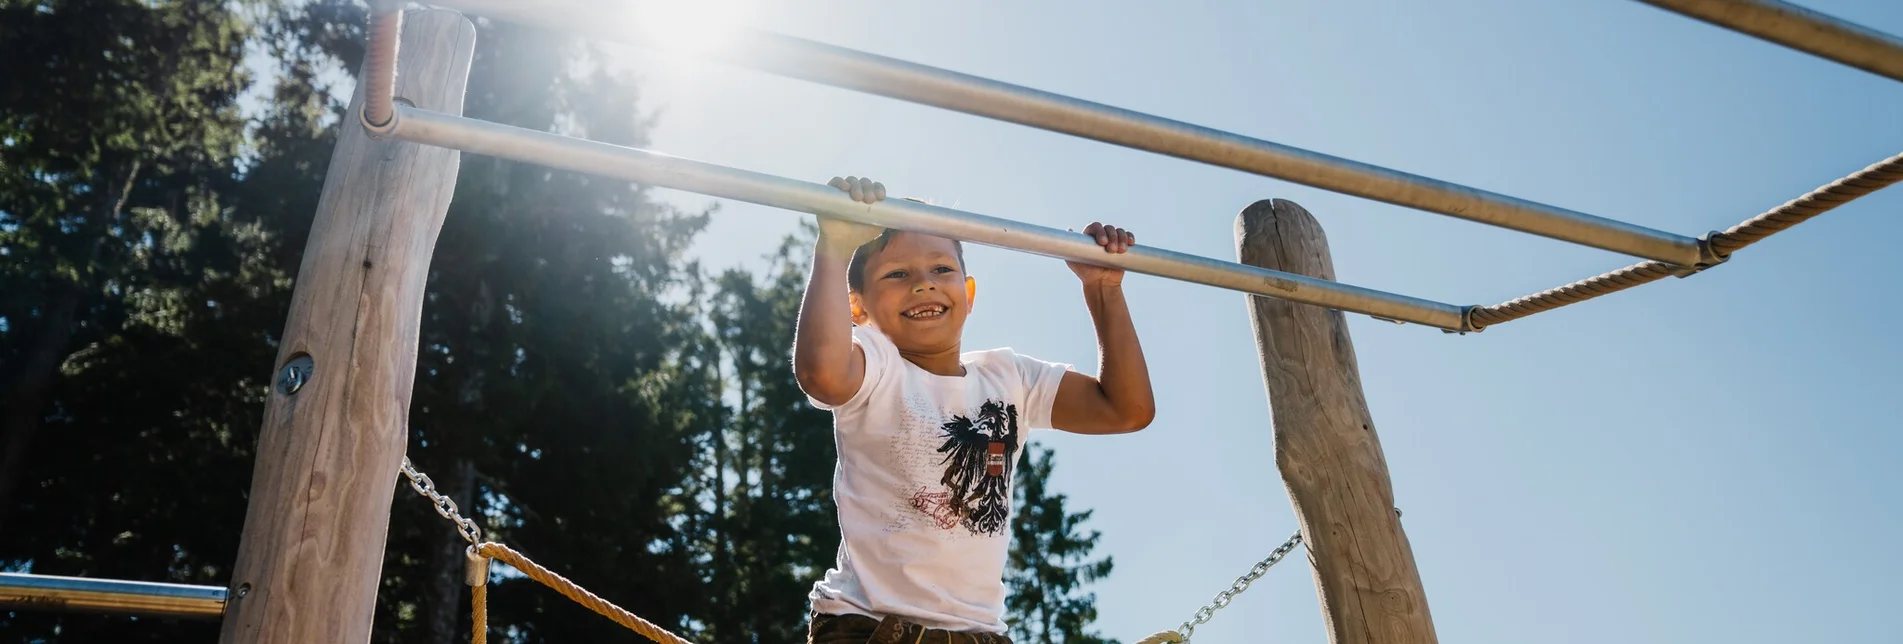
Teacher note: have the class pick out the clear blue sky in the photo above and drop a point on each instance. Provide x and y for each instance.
(1701, 460)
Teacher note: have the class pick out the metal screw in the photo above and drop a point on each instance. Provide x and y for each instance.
(243, 589)
(294, 374)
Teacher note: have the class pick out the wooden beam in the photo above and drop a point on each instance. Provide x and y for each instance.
(327, 460)
(1325, 443)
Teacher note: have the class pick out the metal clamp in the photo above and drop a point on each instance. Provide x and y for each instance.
(1708, 256)
(475, 568)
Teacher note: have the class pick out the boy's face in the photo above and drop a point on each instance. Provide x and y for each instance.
(916, 292)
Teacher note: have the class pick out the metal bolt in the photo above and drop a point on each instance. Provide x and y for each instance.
(294, 374)
(243, 589)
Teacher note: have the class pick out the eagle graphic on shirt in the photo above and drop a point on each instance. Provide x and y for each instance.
(979, 454)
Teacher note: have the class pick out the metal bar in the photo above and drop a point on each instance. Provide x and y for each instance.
(82, 594)
(1801, 29)
(893, 78)
(650, 168)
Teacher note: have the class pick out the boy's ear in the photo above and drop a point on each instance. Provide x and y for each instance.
(971, 292)
(858, 310)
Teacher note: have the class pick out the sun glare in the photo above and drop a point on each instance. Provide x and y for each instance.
(688, 26)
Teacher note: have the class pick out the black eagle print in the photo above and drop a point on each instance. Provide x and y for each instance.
(978, 459)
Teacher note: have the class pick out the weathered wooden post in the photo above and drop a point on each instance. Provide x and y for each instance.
(333, 437)
(1325, 443)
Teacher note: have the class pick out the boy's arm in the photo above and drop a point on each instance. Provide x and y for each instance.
(1119, 399)
(828, 366)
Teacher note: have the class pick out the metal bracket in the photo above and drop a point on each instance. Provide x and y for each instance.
(1467, 321)
(1707, 258)
(383, 131)
(475, 567)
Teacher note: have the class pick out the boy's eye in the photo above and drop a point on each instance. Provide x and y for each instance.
(943, 269)
(895, 275)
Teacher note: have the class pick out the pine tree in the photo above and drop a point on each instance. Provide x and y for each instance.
(769, 525)
(117, 119)
(1050, 562)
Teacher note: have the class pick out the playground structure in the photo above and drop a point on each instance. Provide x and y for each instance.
(332, 439)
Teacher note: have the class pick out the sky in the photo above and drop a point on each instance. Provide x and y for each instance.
(1701, 459)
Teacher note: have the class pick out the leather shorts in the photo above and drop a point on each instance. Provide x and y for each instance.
(860, 629)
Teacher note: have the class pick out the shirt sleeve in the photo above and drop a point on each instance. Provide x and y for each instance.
(1040, 379)
(879, 354)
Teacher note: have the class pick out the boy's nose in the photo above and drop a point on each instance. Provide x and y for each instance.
(922, 287)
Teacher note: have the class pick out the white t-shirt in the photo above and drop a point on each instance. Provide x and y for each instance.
(924, 484)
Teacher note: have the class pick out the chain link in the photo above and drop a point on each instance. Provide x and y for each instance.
(444, 505)
(1242, 583)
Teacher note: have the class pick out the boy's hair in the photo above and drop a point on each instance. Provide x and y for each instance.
(856, 267)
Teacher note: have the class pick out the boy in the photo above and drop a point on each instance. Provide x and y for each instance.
(928, 435)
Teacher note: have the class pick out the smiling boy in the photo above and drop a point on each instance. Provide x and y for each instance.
(928, 434)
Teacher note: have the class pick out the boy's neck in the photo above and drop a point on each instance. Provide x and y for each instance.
(941, 363)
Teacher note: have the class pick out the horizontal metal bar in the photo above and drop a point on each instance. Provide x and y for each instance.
(655, 169)
(1802, 29)
(893, 78)
(84, 594)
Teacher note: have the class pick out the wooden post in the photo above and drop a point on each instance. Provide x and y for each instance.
(328, 456)
(1325, 443)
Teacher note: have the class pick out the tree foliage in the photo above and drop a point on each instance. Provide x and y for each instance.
(586, 390)
(1050, 562)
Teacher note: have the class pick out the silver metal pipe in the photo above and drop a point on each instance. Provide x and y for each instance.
(654, 169)
(893, 78)
(82, 594)
(1802, 29)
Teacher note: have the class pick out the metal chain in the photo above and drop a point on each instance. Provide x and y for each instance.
(1242, 583)
(444, 505)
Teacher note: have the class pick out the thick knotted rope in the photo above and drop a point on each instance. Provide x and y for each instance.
(1870, 179)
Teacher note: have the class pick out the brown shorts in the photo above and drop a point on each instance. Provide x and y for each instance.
(859, 629)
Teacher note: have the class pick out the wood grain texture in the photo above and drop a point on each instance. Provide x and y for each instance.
(327, 461)
(1325, 443)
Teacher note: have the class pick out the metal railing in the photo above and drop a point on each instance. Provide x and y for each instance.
(893, 78)
(1801, 29)
(651, 168)
(1670, 254)
(83, 594)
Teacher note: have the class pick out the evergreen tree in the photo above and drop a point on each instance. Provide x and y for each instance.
(117, 118)
(582, 388)
(769, 528)
(123, 451)
(1050, 562)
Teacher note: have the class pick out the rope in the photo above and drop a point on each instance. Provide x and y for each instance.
(1580, 291)
(573, 592)
(479, 606)
(1875, 177)
(1163, 637)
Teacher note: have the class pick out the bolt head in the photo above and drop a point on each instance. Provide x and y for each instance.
(294, 374)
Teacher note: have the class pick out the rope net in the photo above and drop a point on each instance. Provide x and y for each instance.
(1796, 211)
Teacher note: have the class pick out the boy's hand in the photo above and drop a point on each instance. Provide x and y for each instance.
(840, 236)
(1113, 240)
